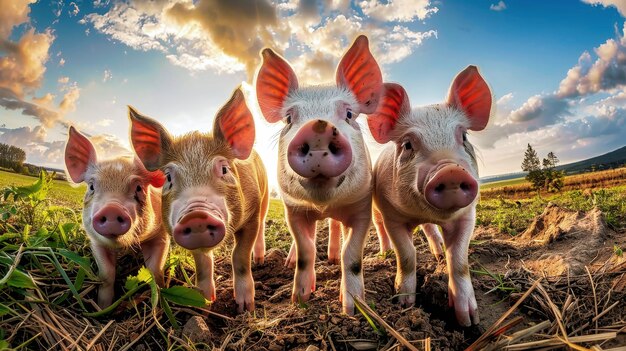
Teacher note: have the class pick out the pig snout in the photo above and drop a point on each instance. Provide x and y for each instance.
(451, 188)
(111, 221)
(319, 149)
(199, 229)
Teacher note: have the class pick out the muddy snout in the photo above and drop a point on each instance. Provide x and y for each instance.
(319, 149)
(111, 221)
(451, 188)
(199, 228)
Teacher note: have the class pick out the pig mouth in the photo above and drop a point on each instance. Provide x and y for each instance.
(319, 181)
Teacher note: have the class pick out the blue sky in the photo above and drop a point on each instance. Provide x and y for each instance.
(557, 68)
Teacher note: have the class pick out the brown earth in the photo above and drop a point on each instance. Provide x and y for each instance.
(557, 246)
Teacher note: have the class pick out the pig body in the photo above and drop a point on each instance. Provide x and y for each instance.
(121, 210)
(427, 177)
(216, 187)
(324, 169)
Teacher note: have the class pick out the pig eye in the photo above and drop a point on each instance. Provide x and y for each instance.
(407, 145)
(138, 188)
(464, 137)
(91, 188)
(169, 178)
(288, 122)
(224, 170)
(349, 114)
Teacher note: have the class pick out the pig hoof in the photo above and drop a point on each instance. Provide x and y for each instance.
(465, 307)
(245, 306)
(290, 263)
(259, 259)
(334, 260)
(348, 308)
(439, 257)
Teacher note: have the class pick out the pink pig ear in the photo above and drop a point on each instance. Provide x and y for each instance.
(470, 93)
(154, 178)
(394, 104)
(359, 72)
(274, 82)
(79, 154)
(150, 140)
(235, 125)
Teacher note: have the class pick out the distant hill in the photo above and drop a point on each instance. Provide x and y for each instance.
(613, 159)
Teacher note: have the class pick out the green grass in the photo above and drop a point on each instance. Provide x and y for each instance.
(502, 183)
(513, 218)
(45, 260)
(62, 193)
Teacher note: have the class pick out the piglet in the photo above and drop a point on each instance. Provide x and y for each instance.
(428, 177)
(324, 169)
(121, 210)
(215, 187)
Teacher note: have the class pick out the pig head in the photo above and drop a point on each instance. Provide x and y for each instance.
(121, 209)
(428, 176)
(215, 187)
(324, 169)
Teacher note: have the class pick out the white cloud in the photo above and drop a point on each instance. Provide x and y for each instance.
(398, 10)
(104, 122)
(226, 37)
(106, 75)
(74, 10)
(606, 73)
(620, 5)
(63, 80)
(62, 62)
(501, 6)
(68, 104)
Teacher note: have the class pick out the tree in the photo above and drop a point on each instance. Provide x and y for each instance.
(531, 165)
(11, 156)
(553, 179)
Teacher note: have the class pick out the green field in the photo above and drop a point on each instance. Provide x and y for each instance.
(502, 183)
(62, 193)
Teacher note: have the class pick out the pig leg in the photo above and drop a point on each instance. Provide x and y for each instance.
(383, 237)
(290, 261)
(355, 228)
(435, 241)
(334, 241)
(406, 281)
(204, 273)
(352, 261)
(242, 272)
(302, 229)
(259, 245)
(154, 254)
(106, 261)
(456, 236)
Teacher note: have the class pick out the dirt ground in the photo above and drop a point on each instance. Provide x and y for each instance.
(557, 246)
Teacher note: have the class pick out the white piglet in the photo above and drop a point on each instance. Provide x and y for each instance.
(122, 209)
(428, 177)
(324, 169)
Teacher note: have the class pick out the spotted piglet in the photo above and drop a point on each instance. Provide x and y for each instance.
(324, 168)
(121, 210)
(428, 177)
(215, 187)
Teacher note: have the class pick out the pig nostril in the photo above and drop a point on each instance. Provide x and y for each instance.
(441, 187)
(465, 187)
(304, 149)
(211, 227)
(187, 230)
(120, 219)
(103, 219)
(333, 148)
